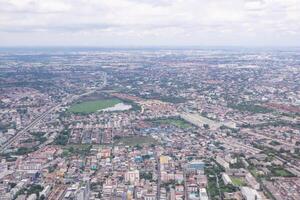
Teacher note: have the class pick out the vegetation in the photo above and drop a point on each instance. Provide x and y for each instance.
(276, 123)
(39, 137)
(253, 170)
(62, 138)
(249, 107)
(8, 157)
(238, 181)
(239, 164)
(93, 106)
(135, 140)
(216, 186)
(31, 189)
(274, 143)
(280, 171)
(12, 184)
(78, 150)
(174, 100)
(173, 121)
(25, 150)
(52, 168)
(168, 185)
(146, 176)
(206, 126)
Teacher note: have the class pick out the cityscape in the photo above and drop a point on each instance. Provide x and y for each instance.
(150, 123)
(149, 100)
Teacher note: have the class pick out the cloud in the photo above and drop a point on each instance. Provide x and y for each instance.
(195, 21)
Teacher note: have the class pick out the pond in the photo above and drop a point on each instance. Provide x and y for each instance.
(117, 107)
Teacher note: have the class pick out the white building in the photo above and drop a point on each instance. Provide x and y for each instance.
(132, 176)
(250, 194)
(203, 194)
(46, 191)
(252, 181)
(222, 162)
(32, 197)
(226, 179)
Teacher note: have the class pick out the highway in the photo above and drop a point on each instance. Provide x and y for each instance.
(185, 184)
(70, 99)
(28, 127)
(158, 176)
(10, 141)
(270, 138)
(58, 192)
(235, 144)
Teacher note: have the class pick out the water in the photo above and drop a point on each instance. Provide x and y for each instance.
(118, 107)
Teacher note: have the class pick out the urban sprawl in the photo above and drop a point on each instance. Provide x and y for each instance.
(149, 124)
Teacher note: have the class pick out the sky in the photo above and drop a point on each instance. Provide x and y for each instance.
(149, 23)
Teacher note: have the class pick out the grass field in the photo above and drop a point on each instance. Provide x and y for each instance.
(238, 181)
(281, 172)
(175, 122)
(93, 106)
(135, 140)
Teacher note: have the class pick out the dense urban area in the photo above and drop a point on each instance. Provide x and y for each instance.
(149, 124)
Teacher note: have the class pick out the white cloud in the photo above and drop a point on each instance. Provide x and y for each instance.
(152, 21)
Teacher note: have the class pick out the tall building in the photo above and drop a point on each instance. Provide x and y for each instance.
(132, 176)
(250, 194)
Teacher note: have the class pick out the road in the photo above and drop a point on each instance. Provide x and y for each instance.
(270, 138)
(58, 192)
(10, 141)
(185, 185)
(23, 131)
(158, 176)
(232, 143)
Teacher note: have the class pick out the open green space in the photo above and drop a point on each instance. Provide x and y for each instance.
(250, 107)
(216, 187)
(135, 140)
(31, 189)
(280, 171)
(238, 181)
(76, 150)
(62, 138)
(87, 107)
(173, 121)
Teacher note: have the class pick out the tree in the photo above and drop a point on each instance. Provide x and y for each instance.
(206, 126)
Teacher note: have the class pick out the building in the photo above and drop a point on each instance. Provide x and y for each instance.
(203, 194)
(252, 181)
(164, 160)
(32, 197)
(250, 194)
(46, 191)
(132, 176)
(222, 162)
(196, 166)
(226, 179)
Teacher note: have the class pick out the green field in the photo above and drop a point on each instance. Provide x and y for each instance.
(281, 172)
(250, 107)
(93, 106)
(175, 122)
(238, 181)
(135, 140)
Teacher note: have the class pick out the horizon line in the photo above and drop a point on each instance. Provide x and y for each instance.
(148, 46)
